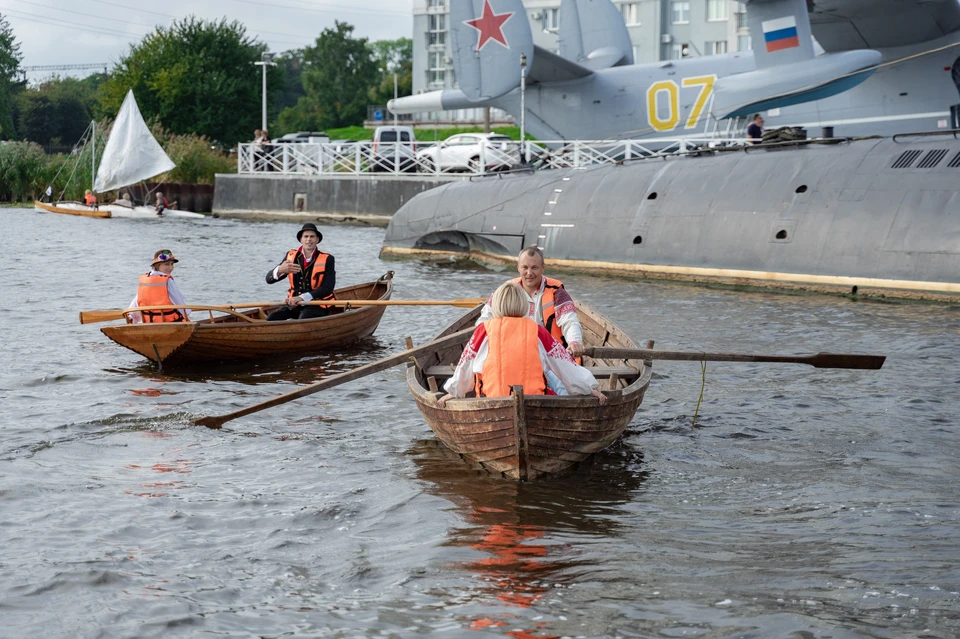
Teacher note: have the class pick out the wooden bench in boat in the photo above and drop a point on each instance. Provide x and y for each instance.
(600, 372)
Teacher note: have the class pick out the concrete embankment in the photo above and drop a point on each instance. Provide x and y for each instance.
(351, 199)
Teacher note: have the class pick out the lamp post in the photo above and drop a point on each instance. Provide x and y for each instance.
(523, 105)
(266, 59)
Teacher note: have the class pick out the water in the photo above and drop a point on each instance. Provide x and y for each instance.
(803, 502)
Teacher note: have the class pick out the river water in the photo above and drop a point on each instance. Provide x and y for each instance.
(802, 503)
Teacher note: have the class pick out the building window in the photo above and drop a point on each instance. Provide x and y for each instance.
(744, 43)
(437, 71)
(631, 13)
(680, 10)
(717, 10)
(676, 51)
(636, 53)
(714, 47)
(552, 19)
(436, 4)
(437, 32)
(742, 23)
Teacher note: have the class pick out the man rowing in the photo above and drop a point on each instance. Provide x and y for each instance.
(550, 304)
(311, 275)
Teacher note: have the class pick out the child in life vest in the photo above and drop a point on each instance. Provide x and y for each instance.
(512, 349)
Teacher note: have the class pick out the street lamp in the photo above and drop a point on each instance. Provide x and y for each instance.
(523, 105)
(266, 59)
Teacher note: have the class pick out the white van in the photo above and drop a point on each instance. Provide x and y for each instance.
(394, 149)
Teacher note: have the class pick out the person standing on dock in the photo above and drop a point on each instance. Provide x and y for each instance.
(550, 304)
(157, 288)
(311, 275)
(755, 130)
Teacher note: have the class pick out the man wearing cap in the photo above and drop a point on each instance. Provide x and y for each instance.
(311, 276)
(157, 288)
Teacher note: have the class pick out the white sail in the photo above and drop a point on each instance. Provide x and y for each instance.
(132, 153)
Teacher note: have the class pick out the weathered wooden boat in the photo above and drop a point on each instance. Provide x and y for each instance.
(525, 437)
(247, 335)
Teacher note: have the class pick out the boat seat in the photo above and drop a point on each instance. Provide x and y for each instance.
(600, 372)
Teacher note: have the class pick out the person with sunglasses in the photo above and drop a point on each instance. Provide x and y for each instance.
(157, 288)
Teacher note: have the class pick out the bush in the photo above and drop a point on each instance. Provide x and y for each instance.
(23, 169)
(197, 160)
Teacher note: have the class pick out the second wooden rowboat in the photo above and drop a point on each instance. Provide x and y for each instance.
(230, 337)
(526, 437)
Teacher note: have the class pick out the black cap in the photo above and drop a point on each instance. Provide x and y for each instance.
(310, 226)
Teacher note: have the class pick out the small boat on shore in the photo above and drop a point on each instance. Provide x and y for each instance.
(532, 436)
(247, 335)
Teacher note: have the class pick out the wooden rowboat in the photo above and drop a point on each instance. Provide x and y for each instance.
(248, 335)
(532, 436)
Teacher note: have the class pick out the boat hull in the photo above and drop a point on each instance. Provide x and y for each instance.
(534, 436)
(113, 210)
(231, 338)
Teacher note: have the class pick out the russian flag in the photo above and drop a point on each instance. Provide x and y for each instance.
(780, 34)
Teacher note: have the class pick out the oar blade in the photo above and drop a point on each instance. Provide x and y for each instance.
(92, 317)
(214, 422)
(842, 360)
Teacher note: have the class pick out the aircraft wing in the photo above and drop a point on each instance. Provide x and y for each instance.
(549, 67)
(841, 25)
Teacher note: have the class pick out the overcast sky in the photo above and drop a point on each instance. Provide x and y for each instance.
(97, 31)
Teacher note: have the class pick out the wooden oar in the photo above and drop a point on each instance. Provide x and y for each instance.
(820, 360)
(91, 317)
(217, 421)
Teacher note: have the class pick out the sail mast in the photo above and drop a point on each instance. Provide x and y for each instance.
(93, 156)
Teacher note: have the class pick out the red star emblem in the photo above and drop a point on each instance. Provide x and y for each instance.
(490, 25)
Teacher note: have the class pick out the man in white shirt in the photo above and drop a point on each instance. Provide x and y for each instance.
(311, 275)
(550, 304)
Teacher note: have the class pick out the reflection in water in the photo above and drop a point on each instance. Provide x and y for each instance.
(512, 524)
(298, 369)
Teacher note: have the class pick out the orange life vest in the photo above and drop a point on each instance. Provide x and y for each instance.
(152, 291)
(546, 303)
(513, 357)
(315, 272)
(90, 199)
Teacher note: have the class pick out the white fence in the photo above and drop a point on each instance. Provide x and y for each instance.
(441, 159)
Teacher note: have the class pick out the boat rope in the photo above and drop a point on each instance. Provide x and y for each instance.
(703, 383)
(82, 145)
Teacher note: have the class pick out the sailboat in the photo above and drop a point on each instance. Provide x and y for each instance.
(131, 155)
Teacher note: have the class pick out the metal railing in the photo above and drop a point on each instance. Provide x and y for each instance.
(441, 160)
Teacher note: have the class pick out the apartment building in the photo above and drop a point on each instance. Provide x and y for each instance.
(659, 30)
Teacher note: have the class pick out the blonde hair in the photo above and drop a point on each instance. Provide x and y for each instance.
(509, 301)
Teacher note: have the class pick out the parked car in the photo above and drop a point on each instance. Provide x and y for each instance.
(314, 137)
(394, 146)
(475, 152)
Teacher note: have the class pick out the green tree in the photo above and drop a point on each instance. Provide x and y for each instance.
(58, 111)
(337, 74)
(193, 77)
(9, 67)
(392, 57)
